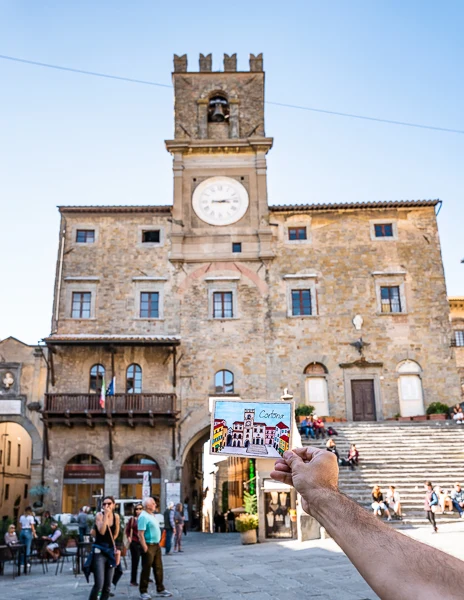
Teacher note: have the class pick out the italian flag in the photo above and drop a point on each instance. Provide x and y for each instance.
(103, 393)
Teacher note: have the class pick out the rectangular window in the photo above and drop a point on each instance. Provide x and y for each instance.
(26, 490)
(8, 454)
(7, 491)
(222, 305)
(390, 299)
(297, 233)
(301, 302)
(151, 236)
(18, 464)
(85, 236)
(383, 230)
(236, 246)
(81, 305)
(149, 305)
(459, 338)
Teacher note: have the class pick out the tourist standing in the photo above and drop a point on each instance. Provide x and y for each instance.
(179, 526)
(82, 523)
(104, 560)
(132, 534)
(149, 536)
(430, 501)
(169, 526)
(27, 532)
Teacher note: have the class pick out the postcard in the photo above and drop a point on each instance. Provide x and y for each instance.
(252, 429)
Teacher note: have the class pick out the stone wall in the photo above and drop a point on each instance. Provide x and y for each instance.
(456, 305)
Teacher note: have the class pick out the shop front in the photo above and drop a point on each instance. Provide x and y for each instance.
(83, 483)
(131, 477)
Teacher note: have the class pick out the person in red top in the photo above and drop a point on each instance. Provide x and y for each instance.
(319, 427)
(132, 534)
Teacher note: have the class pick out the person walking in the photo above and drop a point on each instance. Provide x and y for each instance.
(179, 526)
(104, 561)
(169, 526)
(149, 537)
(82, 523)
(230, 521)
(132, 534)
(27, 533)
(430, 501)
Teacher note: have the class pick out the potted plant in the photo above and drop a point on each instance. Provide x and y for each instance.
(247, 526)
(302, 411)
(437, 411)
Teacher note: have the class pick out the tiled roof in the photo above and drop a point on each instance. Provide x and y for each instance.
(85, 338)
(282, 425)
(284, 437)
(353, 205)
(116, 209)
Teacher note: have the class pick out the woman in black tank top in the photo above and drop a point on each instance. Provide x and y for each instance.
(107, 530)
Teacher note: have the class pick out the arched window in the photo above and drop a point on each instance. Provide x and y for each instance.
(224, 382)
(97, 372)
(218, 109)
(134, 379)
(410, 389)
(316, 388)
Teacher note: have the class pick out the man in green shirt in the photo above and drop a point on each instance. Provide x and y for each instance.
(149, 537)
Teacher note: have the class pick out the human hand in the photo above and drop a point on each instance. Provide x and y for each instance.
(310, 471)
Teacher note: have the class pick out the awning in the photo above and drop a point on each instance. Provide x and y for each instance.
(120, 340)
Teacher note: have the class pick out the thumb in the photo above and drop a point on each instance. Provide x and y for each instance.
(292, 459)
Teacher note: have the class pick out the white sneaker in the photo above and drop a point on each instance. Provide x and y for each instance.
(462, 515)
(164, 594)
(145, 596)
(458, 422)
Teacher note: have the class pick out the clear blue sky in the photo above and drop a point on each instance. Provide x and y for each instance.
(74, 139)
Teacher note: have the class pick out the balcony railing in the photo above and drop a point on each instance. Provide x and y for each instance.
(118, 404)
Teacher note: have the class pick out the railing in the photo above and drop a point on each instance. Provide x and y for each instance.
(117, 404)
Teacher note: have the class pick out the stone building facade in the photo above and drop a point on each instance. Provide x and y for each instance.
(222, 294)
(456, 305)
(23, 376)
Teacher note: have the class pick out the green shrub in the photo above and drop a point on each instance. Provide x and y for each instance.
(437, 408)
(246, 523)
(304, 410)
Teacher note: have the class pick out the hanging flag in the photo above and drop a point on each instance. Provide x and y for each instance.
(111, 388)
(103, 393)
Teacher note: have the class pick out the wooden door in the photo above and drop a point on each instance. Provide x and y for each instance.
(362, 393)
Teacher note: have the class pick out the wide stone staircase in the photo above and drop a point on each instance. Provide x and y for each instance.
(404, 455)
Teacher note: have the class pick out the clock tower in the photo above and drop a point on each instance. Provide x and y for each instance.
(220, 209)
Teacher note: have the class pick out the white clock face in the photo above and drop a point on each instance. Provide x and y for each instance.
(220, 201)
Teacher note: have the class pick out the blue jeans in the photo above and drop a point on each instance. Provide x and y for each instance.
(103, 575)
(25, 537)
(169, 533)
(308, 430)
(457, 507)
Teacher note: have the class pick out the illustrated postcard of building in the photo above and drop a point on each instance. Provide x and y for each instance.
(253, 429)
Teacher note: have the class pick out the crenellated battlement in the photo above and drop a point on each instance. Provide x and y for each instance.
(206, 63)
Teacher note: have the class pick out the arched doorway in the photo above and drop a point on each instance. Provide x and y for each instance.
(316, 388)
(410, 389)
(83, 483)
(131, 477)
(15, 462)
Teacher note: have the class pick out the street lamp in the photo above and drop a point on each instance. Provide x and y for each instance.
(286, 395)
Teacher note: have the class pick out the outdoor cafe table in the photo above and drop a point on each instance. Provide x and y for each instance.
(18, 551)
(83, 549)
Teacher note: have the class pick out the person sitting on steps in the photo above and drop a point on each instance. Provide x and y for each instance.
(307, 429)
(457, 498)
(394, 502)
(319, 427)
(378, 505)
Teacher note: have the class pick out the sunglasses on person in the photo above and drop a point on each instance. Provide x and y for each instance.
(139, 508)
(107, 503)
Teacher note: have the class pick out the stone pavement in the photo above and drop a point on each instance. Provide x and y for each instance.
(218, 566)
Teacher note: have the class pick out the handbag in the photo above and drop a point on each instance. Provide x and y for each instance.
(163, 539)
(117, 553)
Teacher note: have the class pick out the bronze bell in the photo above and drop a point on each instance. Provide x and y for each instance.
(216, 109)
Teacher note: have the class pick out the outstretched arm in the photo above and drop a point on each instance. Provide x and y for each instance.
(394, 565)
